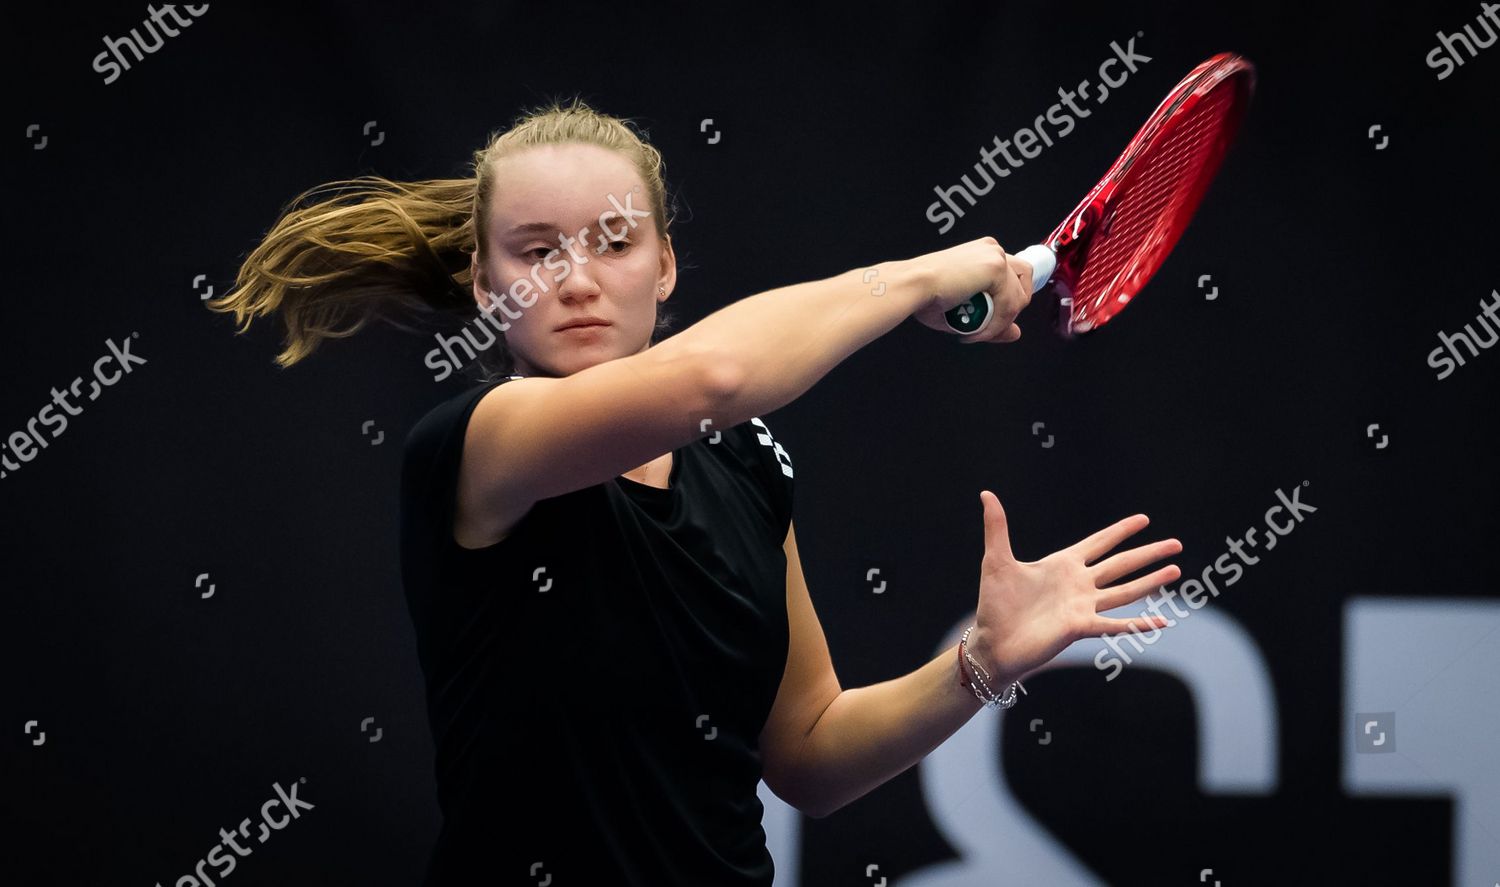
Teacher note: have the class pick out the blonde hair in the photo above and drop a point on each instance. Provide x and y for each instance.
(401, 252)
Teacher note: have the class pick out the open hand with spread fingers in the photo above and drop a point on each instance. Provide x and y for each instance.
(1030, 611)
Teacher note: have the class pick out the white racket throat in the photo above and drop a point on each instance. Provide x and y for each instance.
(1043, 262)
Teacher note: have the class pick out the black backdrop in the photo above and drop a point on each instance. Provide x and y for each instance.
(143, 717)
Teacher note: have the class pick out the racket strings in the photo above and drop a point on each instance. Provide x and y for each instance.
(1151, 210)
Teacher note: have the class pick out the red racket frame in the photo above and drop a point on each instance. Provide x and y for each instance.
(1085, 233)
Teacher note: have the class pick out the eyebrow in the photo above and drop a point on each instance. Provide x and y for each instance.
(532, 228)
(541, 227)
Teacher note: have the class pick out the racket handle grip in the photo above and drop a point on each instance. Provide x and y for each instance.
(973, 316)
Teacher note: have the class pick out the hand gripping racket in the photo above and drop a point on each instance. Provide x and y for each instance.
(1111, 244)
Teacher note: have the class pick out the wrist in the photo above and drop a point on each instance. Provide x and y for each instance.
(907, 281)
(992, 687)
(979, 647)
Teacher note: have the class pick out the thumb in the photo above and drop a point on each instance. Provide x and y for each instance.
(996, 528)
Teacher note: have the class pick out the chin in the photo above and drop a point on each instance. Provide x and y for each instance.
(581, 360)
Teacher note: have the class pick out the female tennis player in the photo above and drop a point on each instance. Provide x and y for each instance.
(597, 543)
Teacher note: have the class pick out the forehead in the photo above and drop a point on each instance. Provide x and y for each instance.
(568, 185)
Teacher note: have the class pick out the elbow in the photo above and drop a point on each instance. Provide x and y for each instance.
(807, 807)
(800, 796)
(721, 381)
(822, 809)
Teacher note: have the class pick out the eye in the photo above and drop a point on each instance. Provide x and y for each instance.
(544, 250)
(622, 243)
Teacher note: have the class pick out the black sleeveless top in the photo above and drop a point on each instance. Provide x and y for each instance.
(598, 679)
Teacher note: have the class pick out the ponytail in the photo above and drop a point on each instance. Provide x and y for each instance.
(356, 250)
(375, 249)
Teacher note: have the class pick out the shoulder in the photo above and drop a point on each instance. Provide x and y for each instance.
(764, 458)
(451, 415)
(769, 447)
(433, 448)
(753, 444)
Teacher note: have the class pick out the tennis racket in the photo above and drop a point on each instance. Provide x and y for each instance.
(1111, 244)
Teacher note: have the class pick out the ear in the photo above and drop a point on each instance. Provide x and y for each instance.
(667, 279)
(481, 281)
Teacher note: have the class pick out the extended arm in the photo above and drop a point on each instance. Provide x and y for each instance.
(824, 746)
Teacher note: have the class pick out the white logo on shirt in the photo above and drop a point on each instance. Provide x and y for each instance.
(766, 440)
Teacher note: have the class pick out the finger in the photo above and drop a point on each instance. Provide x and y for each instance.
(1099, 544)
(1009, 334)
(996, 528)
(1127, 562)
(1120, 626)
(985, 336)
(1135, 589)
(1023, 272)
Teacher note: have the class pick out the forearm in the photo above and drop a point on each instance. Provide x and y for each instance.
(868, 735)
(777, 344)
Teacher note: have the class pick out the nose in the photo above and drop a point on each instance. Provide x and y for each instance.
(579, 286)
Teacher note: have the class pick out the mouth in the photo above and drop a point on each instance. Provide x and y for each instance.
(589, 324)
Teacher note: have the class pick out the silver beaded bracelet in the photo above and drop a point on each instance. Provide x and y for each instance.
(980, 686)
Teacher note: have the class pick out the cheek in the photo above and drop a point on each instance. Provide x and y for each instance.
(512, 269)
(637, 271)
(519, 285)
